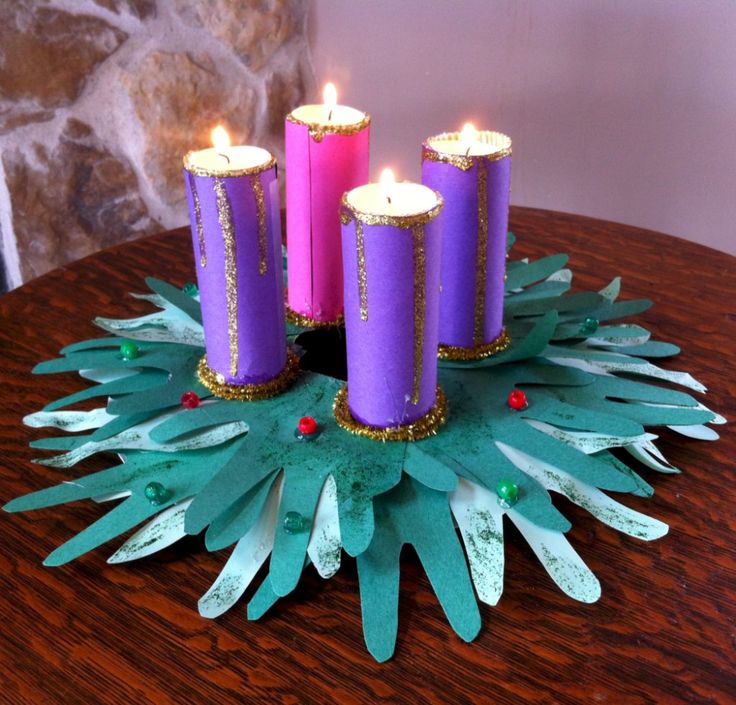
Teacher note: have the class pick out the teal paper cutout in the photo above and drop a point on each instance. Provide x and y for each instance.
(416, 515)
(238, 472)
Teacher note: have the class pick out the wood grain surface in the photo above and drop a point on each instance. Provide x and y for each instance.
(663, 632)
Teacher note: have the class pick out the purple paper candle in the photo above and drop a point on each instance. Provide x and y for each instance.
(391, 260)
(472, 170)
(235, 216)
(326, 155)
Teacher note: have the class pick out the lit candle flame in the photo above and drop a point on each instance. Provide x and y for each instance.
(221, 141)
(220, 138)
(329, 97)
(387, 182)
(468, 135)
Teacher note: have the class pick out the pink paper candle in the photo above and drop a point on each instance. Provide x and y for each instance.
(326, 155)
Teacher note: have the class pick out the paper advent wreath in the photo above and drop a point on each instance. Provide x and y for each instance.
(240, 472)
(236, 234)
(474, 221)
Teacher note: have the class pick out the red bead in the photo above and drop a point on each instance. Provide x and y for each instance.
(518, 400)
(307, 426)
(189, 400)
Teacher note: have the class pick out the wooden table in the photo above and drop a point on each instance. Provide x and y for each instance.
(663, 631)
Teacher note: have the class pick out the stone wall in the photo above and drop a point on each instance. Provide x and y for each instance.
(100, 99)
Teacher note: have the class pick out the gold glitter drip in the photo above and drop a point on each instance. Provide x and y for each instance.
(198, 221)
(255, 181)
(225, 216)
(362, 276)
(318, 130)
(420, 307)
(247, 171)
(427, 425)
(249, 392)
(432, 153)
(299, 319)
(348, 213)
(481, 256)
(477, 352)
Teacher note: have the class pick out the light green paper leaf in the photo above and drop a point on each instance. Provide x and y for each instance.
(163, 531)
(480, 520)
(325, 546)
(560, 560)
(249, 555)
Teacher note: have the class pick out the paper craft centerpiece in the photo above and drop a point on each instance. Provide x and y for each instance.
(552, 396)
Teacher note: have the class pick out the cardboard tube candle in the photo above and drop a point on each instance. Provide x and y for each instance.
(472, 170)
(234, 210)
(391, 257)
(326, 155)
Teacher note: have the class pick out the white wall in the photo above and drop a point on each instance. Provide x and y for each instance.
(619, 109)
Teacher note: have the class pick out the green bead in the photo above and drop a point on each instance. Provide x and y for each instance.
(156, 493)
(508, 492)
(294, 523)
(589, 326)
(129, 351)
(190, 289)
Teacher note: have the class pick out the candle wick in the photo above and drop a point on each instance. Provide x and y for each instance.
(224, 156)
(388, 198)
(329, 116)
(467, 151)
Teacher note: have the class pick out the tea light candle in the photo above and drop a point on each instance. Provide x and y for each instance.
(391, 258)
(326, 154)
(233, 199)
(472, 170)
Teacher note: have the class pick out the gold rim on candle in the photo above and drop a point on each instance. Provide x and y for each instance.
(349, 212)
(476, 352)
(426, 426)
(215, 382)
(299, 319)
(248, 171)
(435, 154)
(317, 130)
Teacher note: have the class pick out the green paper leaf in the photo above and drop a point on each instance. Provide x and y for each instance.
(535, 271)
(413, 514)
(176, 297)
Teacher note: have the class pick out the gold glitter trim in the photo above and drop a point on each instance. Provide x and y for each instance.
(255, 182)
(432, 154)
(249, 171)
(318, 130)
(362, 276)
(420, 305)
(198, 220)
(225, 216)
(477, 352)
(299, 319)
(427, 425)
(249, 392)
(348, 213)
(481, 256)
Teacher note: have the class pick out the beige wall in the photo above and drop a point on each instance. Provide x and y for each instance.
(619, 109)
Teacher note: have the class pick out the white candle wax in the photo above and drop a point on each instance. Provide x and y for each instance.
(320, 115)
(485, 142)
(406, 198)
(226, 159)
